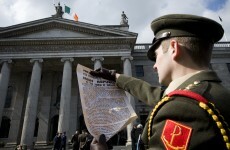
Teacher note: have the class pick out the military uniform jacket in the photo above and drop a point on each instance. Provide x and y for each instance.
(82, 140)
(180, 123)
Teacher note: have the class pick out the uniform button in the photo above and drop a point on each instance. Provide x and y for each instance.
(196, 82)
(189, 86)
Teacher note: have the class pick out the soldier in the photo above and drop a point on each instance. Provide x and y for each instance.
(84, 140)
(193, 111)
(74, 140)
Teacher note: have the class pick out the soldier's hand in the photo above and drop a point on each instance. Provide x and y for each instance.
(100, 144)
(104, 73)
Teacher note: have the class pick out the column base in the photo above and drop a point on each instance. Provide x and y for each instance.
(128, 143)
(41, 143)
(22, 147)
(11, 145)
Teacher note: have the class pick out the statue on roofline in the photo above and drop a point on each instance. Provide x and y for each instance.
(124, 19)
(59, 11)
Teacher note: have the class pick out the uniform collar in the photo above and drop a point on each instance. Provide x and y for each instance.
(182, 82)
(207, 75)
(177, 82)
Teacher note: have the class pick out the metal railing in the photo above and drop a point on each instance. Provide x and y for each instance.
(146, 46)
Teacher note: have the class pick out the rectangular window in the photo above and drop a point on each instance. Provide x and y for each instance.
(9, 96)
(228, 65)
(139, 70)
(210, 66)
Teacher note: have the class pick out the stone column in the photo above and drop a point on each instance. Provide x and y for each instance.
(64, 113)
(4, 81)
(31, 105)
(17, 115)
(74, 107)
(97, 62)
(44, 111)
(127, 70)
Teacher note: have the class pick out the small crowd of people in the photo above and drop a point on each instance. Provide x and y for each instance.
(60, 141)
(81, 141)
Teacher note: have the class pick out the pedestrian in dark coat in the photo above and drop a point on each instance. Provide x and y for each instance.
(57, 142)
(63, 141)
(89, 139)
(82, 138)
(139, 145)
(74, 140)
(133, 137)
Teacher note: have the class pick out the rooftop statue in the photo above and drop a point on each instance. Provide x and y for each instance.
(124, 19)
(59, 11)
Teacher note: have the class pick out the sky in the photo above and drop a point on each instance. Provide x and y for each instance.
(140, 13)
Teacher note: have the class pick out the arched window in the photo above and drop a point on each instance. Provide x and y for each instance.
(9, 96)
(5, 127)
(36, 128)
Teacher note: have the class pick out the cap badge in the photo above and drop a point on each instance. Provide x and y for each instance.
(162, 36)
(165, 34)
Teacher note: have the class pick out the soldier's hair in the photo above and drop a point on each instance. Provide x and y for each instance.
(199, 50)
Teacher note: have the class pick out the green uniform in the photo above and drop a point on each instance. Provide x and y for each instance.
(181, 123)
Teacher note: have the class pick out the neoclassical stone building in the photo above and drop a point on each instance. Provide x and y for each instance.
(38, 83)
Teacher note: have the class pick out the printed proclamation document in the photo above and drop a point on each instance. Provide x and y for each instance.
(105, 107)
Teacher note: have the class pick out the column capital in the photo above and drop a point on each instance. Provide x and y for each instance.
(126, 57)
(6, 60)
(97, 58)
(40, 60)
(67, 59)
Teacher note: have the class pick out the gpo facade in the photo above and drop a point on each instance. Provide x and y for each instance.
(38, 84)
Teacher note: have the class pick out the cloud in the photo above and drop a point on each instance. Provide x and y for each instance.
(224, 14)
(108, 12)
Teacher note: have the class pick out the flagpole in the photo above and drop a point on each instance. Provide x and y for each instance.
(222, 26)
(225, 37)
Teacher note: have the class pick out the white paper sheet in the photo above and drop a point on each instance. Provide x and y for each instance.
(105, 107)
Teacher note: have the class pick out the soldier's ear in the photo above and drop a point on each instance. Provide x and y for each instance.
(175, 49)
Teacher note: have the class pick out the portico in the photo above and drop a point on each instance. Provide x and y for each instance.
(39, 93)
(43, 73)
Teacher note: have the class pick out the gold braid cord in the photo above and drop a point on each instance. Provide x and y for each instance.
(203, 106)
(217, 121)
(162, 101)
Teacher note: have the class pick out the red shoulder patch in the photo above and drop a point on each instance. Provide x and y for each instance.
(175, 136)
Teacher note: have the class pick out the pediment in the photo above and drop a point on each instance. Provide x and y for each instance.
(60, 28)
(56, 33)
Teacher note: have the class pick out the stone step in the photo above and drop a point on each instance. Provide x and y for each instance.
(49, 147)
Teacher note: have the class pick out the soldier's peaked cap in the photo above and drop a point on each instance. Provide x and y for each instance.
(183, 25)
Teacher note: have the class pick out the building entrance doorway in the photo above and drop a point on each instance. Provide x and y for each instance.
(53, 127)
